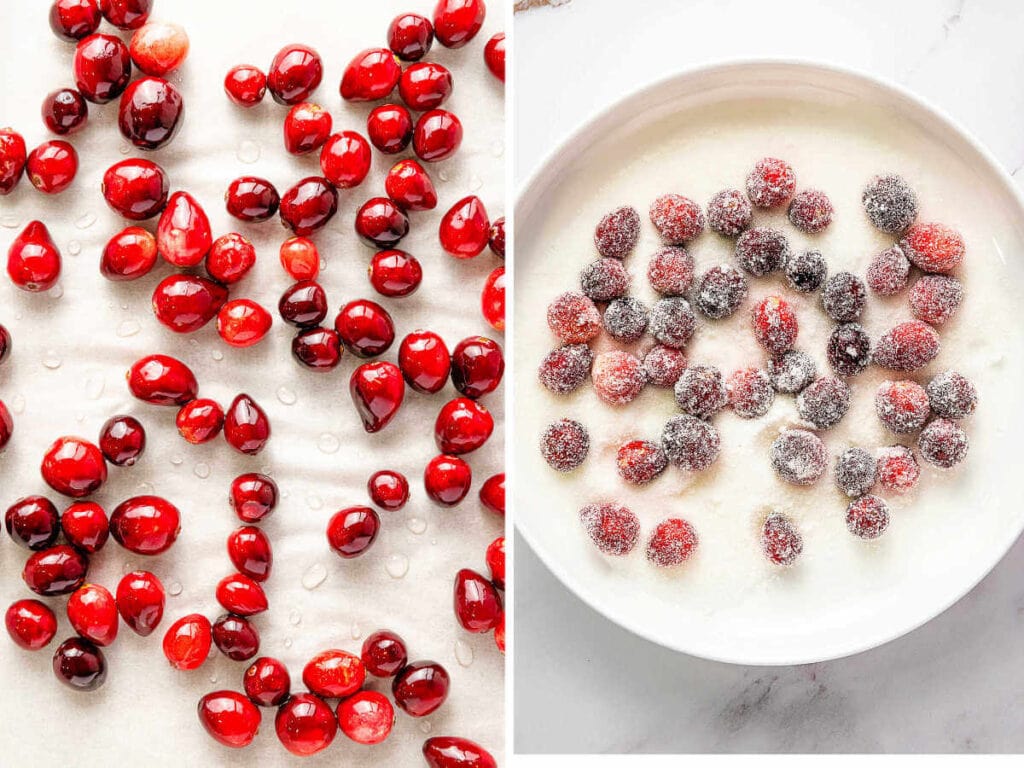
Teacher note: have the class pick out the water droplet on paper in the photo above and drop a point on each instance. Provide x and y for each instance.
(174, 588)
(286, 396)
(213, 678)
(177, 460)
(315, 576)
(86, 220)
(80, 417)
(425, 726)
(57, 291)
(295, 618)
(18, 404)
(475, 182)
(128, 328)
(328, 443)
(146, 489)
(397, 566)
(314, 502)
(217, 355)
(287, 642)
(124, 149)
(248, 152)
(127, 567)
(51, 360)
(94, 385)
(10, 222)
(357, 631)
(463, 653)
(416, 524)
(202, 470)
(443, 174)
(74, 247)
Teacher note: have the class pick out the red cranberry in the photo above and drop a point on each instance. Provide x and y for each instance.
(230, 258)
(377, 391)
(246, 426)
(936, 298)
(465, 229)
(31, 624)
(424, 361)
(497, 238)
(187, 642)
(6, 425)
(300, 258)
(462, 426)
(140, 601)
(185, 303)
(477, 604)
(129, 255)
(305, 724)
(421, 688)
(771, 183)
(294, 74)
(183, 234)
(80, 665)
(199, 421)
(390, 128)
(381, 223)
(51, 167)
(907, 347)
(492, 494)
(477, 366)
(245, 85)
(897, 469)
(425, 86)
(240, 595)
(161, 380)
(150, 112)
(496, 561)
(309, 205)
(33, 522)
(640, 461)
(384, 653)
(318, 349)
(437, 135)
(230, 718)
(85, 526)
(902, 406)
(409, 186)
(103, 67)
(306, 128)
(123, 440)
(867, 517)
(453, 752)
(236, 637)
(671, 543)
(388, 489)
(410, 36)
(943, 443)
(93, 614)
(447, 480)
(253, 496)
(395, 273)
(365, 328)
(251, 198)
(159, 48)
(5, 344)
(366, 717)
(494, 56)
(933, 247)
(243, 322)
(145, 525)
(775, 325)
(810, 211)
(55, 571)
(74, 467)
(72, 20)
(65, 111)
(456, 22)
(33, 261)
(135, 189)
(345, 159)
(492, 299)
(13, 155)
(780, 540)
(370, 76)
(352, 531)
(126, 14)
(250, 552)
(267, 682)
(750, 392)
(334, 674)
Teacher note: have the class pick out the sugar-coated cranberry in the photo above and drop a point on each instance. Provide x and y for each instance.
(13, 155)
(352, 531)
(80, 664)
(933, 247)
(626, 319)
(309, 205)
(377, 390)
(775, 324)
(462, 426)
(366, 717)
(824, 402)
(890, 203)
(395, 273)
(303, 304)
(902, 406)
(145, 525)
(345, 159)
(241, 595)
(267, 682)
(408, 184)
(236, 637)
(943, 443)
(246, 426)
(384, 653)
(251, 198)
(253, 496)
(58, 570)
(791, 371)
(159, 47)
(670, 271)
(806, 271)
(85, 526)
(424, 360)
(844, 297)
(564, 370)
(848, 349)
(388, 489)
(729, 212)
(425, 86)
(140, 601)
(390, 128)
(52, 166)
(183, 234)
(437, 135)
(465, 228)
(951, 395)
(33, 522)
(477, 366)
(150, 112)
(187, 642)
(798, 456)
(663, 366)
(936, 298)
(243, 322)
(888, 272)
(671, 543)
(126, 14)
(250, 552)
(161, 380)
(31, 624)
(690, 443)
(672, 321)
(855, 471)
(618, 377)
(102, 67)
(300, 258)
(306, 127)
(334, 674)
(867, 517)
(200, 420)
(365, 328)
(898, 470)
(700, 391)
(74, 467)
(771, 183)
(604, 280)
(750, 392)
(72, 20)
(135, 188)
(318, 349)
(294, 74)
(230, 718)
(677, 218)
(781, 542)
(185, 303)
(305, 724)
(93, 614)
(456, 22)
(447, 480)
(907, 347)
(573, 318)
(494, 55)
(810, 211)
(640, 461)
(762, 250)
(380, 223)
(230, 258)
(455, 752)
(564, 444)
(421, 688)
(492, 300)
(371, 75)
(477, 603)
(720, 291)
(617, 232)
(123, 440)
(245, 85)
(65, 111)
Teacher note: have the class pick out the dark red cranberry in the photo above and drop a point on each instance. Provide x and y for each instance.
(71, 20)
(300, 258)
(304, 304)
(187, 642)
(456, 22)
(563, 370)
(183, 234)
(129, 255)
(161, 380)
(775, 325)
(345, 159)
(230, 258)
(135, 188)
(158, 48)
(425, 86)
(33, 261)
(245, 85)
(421, 687)
(6, 425)
(93, 614)
(85, 526)
(246, 426)
(243, 322)
(253, 496)
(65, 111)
(150, 112)
(672, 543)
(390, 128)
(240, 595)
(334, 674)
(907, 347)
(455, 752)
(395, 273)
(33, 522)
(126, 14)
(763, 250)
(366, 717)
(236, 637)
(55, 571)
(492, 300)
(462, 426)
(410, 36)
(309, 205)
(52, 166)
(200, 420)
(477, 604)
(230, 718)
(294, 74)
(388, 489)
(5, 344)
(492, 493)
(410, 187)
(185, 303)
(496, 561)
(425, 361)
(384, 653)
(943, 443)
(123, 438)
(79, 664)
(305, 724)
(365, 328)
(251, 198)
(352, 531)
(640, 461)
(306, 128)
(140, 601)
(496, 241)
(370, 76)
(267, 682)
(844, 297)
(447, 480)
(31, 624)
(381, 223)
(477, 366)
(145, 525)
(74, 467)
(494, 55)
(780, 540)
(377, 390)
(250, 552)
(13, 155)
(867, 517)
(103, 67)
(437, 135)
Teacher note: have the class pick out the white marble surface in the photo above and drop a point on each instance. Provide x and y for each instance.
(954, 685)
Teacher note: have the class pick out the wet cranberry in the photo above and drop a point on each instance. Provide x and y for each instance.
(477, 366)
(236, 637)
(309, 205)
(52, 166)
(33, 261)
(395, 273)
(33, 522)
(230, 258)
(129, 255)
(494, 56)
(388, 489)
(13, 155)
(253, 496)
(447, 480)
(5, 344)
(246, 426)
(409, 186)
(74, 467)
(390, 128)
(370, 76)
(245, 85)
(250, 552)
(492, 494)
(462, 426)
(251, 198)
(381, 223)
(300, 258)
(425, 86)
(377, 390)
(123, 438)
(102, 68)
(6, 425)
(465, 228)
(159, 48)
(150, 112)
(454, 752)
(345, 159)
(31, 624)
(352, 531)
(93, 614)
(496, 561)
(126, 14)
(366, 717)
(318, 349)
(183, 234)
(456, 22)
(424, 360)
(230, 718)
(79, 664)
(410, 36)
(185, 303)
(334, 674)
(477, 604)
(243, 322)
(384, 653)
(162, 380)
(421, 688)
(492, 299)
(305, 724)
(187, 642)
(437, 135)
(85, 526)
(140, 601)
(135, 189)
(72, 20)
(65, 111)
(306, 128)
(199, 421)
(240, 595)
(304, 304)
(365, 328)
(497, 238)
(55, 571)
(294, 74)
(145, 525)
(267, 682)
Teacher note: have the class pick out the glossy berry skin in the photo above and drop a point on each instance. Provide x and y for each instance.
(162, 380)
(334, 674)
(250, 552)
(74, 467)
(183, 234)
(294, 74)
(380, 223)
(421, 688)
(80, 664)
(462, 426)
(5, 344)
(58, 570)
(240, 595)
(230, 718)
(494, 56)
(465, 228)
(236, 637)
(477, 604)
(158, 48)
(140, 601)
(492, 300)
(300, 258)
(33, 522)
(253, 496)
(492, 494)
(243, 322)
(13, 155)
(496, 561)
(318, 349)
(477, 366)
(497, 239)
(395, 273)
(456, 22)
(31, 624)
(309, 205)
(447, 480)
(245, 85)
(390, 128)
(454, 752)
(251, 198)
(304, 304)
(129, 255)
(425, 86)
(200, 420)
(305, 724)
(230, 258)
(187, 642)
(267, 682)
(126, 14)
(85, 526)
(185, 303)
(306, 128)
(145, 525)
(377, 391)
(135, 188)
(437, 135)
(122, 440)
(371, 75)
(246, 426)
(33, 261)
(345, 159)
(366, 717)
(409, 186)
(352, 531)
(150, 112)
(71, 20)
(365, 328)
(6, 425)
(384, 653)
(388, 489)
(425, 361)
(52, 166)
(65, 111)
(102, 68)
(410, 36)
(93, 614)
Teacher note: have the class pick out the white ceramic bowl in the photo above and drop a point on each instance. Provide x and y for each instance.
(933, 562)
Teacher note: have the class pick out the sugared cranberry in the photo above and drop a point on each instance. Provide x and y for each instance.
(365, 328)
(381, 223)
(492, 493)
(135, 189)
(384, 653)
(700, 391)
(492, 299)
(319, 349)
(183, 234)
(366, 717)
(573, 318)
(670, 271)
(775, 325)
(246, 426)
(455, 752)
(161, 380)
(729, 212)
(465, 228)
(304, 304)
(421, 688)
(123, 438)
(300, 258)
(897, 469)
(890, 203)
(806, 271)
(907, 347)
(309, 205)
(294, 74)
(370, 76)
(65, 111)
(495, 557)
(159, 47)
(677, 218)
(305, 724)
(477, 366)
(267, 682)
(640, 461)
(306, 128)
(236, 637)
(425, 86)
(810, 211)
(145, 525)
(80, 664)
(762, 250)
(720, 291)
(780, 540)
(410, 36)
(72, 20)
(497, 238)
(564, 370)
(824, 402)
(943, 443)
(494, 55)
(867, 517)
(140, 601)
(951, 395)
(437, 135)
(85, 526)
(447, 480)
(395, 273)
(617, 232)
(245, 85)
(854, 471)
(126, 14)
(388, 489)
(185, 303)
(230, 718)
(618, 377)
(409, 186)
(750, 392)
(74, 467)
(799, 457)
(671, 543)
(848, 349)
(902, 406)
(345, 159)
(31, 624)
(690, 443)
(102, 68)
(251, 198)
(55, 571)
(230, 258)
(424, 360)
(253, 496)
(241, 595)
(199, 421)
(625, 319)
(936, 298)
(33, 522)
(250, 552)
(187, 642)
(352, 531)
(462, 426)
(477, 604)
(52, 166)
(390, 128)
(377, 390)
(13, 155)
(888, 272)
(150, 112)
(456, 22)
(334, 674)
(33, 260)
(243, 322)
(844, 297)
(93, 614)
(672, 321)
(933, 247)
(771, 183)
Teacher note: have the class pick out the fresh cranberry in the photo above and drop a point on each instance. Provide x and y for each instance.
(52, 166)
(294, 74)
(183, 234)
(85, 526)
(936, 298)
(410, 187)
(384, 653)
(123, 439)
(455, 752)
(74, 467)
(933, 247)
(309, 205)
(135, 188)
(465, 229)
(306, 128)
(240, 595)
(494, 55)
(6, 425)
(246, 426)
(437, 135)
(33, 522)
(79, 664)
(145, 525)
(13, 155)
(496, 240)
(377, 391)
(447, 480)
(410, 36)
(150, 112)
(230, 718)
(477, 604)
(492, 493)
(318, 349)
(425, 362)
(365, 328)
(388, 489)
(300, 258)
(345, 159)
(5, 344)
(462, 426)
(492, 299)
(158, 48)
(304, 304)
(230, 258)
(366, 717)
(251, 198)
(65, 111)
(907, 347)
(185, 303)
(395, 273)
(245, 85)
(496, 561)
(243, 322)
(421, 687)
(129, 255)
(381, 223)
(370, 76)
(72, 20)
(140, 601)
(352, 531)
(55, 571)
(199, 421)
(33, 261)
(425, 86)
(161, 380)
(771, 183)
(250, 552)
(477, 366)
(456, 22)
(305, 724)
(253, 496)
(267, 682)
(867, 517)
(31, 624)
(187, 642)
(93, 614)
(102, 67)
(390, 128)
(334, 674)
(126, 14)
(236, 637)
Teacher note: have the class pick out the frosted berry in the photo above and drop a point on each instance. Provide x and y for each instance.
(791, 371)
(573, 318)
(640, 461)
(618, 377)
(775, 325)
(810, 211)
(388, 489)
(140, 601)
(943, 443)
(625, 319)
(267, 682)
(867, 517)
(604, 280)
(824, 402)
(670, 271)
(902, 406)
(85, 526)
(690, 443)
(771, 183)
(251, 198)
(613, 528)
(384, 653)
(294, 74)
(563, 370)
(389, 128)
(898, 470)
(366, 717)
(848, 349)
(31, 624)
(806, 271)
(617, 232)
(936, 298)
(253, 496)
(729, 212)
(410, 36)
(762, 250)
(888, 272)
(564, 445)
(672, 322)
(951, 395)
(799, 457)
(907, 347)
(52, 166)
(65, 111)
(933, 247)
(781, 542)
(33, 522)
(245, 85)
(663, 366)
(671, 543)
(677, 218)
(720, 291)
(844, 297)
(750, 392)
(700, 391)
(855, 471)
(890, 203)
